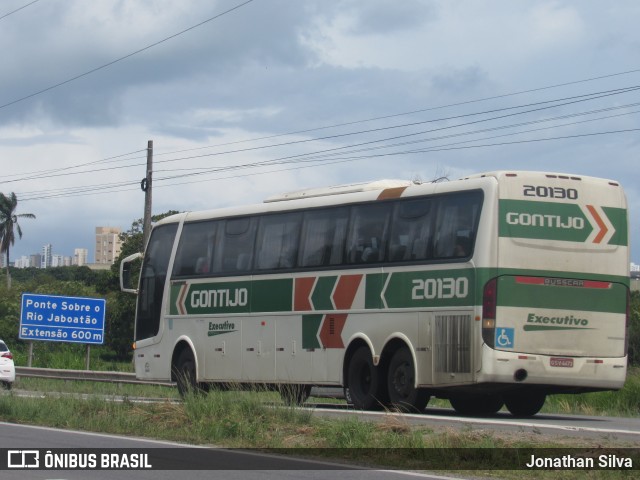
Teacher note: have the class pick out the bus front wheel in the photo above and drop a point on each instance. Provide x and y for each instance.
(362, 381)
(401, 377)
(184, 372)
(524, 404)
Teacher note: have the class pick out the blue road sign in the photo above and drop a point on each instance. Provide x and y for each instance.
(62, 319)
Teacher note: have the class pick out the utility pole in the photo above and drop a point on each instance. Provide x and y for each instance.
(146, 188)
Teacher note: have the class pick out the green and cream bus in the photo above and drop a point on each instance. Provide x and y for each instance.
(495, 289)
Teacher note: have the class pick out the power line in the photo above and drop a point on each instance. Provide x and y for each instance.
(423, 110)
(18, 9)
(72, 79)
(414, 133)
(345, 160)
(41, 174)
(321, 161)
(33, 175)
(327, 154)
(554, 103)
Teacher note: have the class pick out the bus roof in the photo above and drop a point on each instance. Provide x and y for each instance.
(369, 191)
(339, 190)
(500, 174)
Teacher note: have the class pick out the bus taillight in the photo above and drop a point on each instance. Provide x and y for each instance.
(489, 305)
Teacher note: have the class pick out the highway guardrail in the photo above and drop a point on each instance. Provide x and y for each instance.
(89, 375)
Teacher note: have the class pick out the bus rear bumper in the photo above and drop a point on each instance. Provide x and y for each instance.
(535, 369)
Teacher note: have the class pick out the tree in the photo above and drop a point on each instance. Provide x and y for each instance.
(9, 223)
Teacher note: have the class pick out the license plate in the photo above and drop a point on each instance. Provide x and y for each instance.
(561, 362)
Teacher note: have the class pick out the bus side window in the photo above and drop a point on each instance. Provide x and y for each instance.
(367, 236)
(323, 235)
(195, 250)
(456, 225)
(236, 254)
(277, 244)
(411, 231)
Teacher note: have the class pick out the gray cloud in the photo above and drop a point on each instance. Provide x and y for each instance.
(278, 66)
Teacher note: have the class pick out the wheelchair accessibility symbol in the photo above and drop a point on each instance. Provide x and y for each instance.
(504, 337)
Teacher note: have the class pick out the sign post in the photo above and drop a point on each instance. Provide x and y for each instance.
(63, 319)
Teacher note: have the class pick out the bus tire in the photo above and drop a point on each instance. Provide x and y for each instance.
(477, 404)
(184, 372)
(524, 404)
(294, 394)
(347, 396)
(362, 381)
(401, 376)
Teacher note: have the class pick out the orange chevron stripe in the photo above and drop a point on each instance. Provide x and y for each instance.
(303, 287)
(601, 224)
(394, 192)
(345, 291)
(331, 330)
(182, 310)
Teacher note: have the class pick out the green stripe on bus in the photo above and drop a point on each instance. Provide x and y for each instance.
(232, 297)
(543, 220)
(310, 326)
(514, 294)
(417, 289)
(435, 288)
(373, 290)
(272, 295)
(321, 296)
(618, 218)
(538, 328)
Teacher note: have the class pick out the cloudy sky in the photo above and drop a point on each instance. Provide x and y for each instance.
(276, 95)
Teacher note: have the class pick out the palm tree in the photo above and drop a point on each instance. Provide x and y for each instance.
(9, 222)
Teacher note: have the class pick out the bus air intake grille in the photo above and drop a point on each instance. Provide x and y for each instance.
(453, 343)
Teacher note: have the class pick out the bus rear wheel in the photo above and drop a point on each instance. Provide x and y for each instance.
(184, 373)
(524, 404)
(363, 383)
(403, 395)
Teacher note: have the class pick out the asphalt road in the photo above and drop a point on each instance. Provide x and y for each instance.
(219, 463)
(581, 426)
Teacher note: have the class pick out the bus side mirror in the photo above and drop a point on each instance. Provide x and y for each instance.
(126, 271)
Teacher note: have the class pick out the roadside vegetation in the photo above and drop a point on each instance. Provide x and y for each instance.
(259, 420)
(623, 403)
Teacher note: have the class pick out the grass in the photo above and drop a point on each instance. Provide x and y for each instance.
(71, 357)
(623, 403)
(258, 419)
(242, 419)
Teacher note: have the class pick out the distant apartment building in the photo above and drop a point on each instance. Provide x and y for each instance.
(22, 262)
(35, 260)
(108, 245)
(60, 261)
(80, 256)
(28, 261)
(46, 261)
